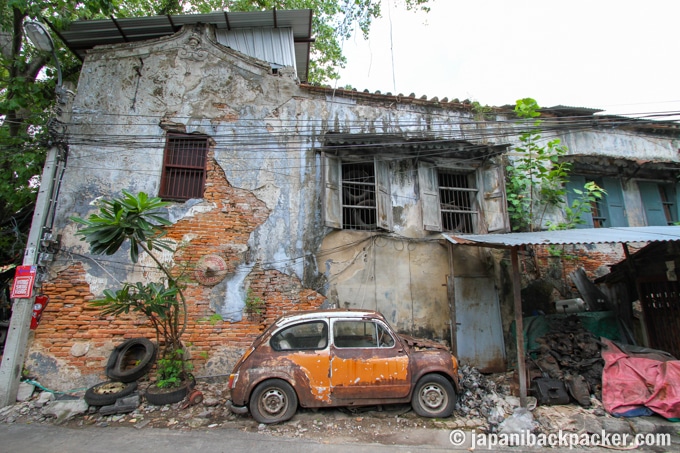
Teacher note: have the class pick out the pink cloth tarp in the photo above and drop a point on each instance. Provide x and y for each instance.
(632, 381)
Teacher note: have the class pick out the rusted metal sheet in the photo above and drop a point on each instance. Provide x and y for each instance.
(576, 236)
(421, 343)
(479, 330)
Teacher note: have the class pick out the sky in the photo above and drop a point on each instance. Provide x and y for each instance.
(621, 56)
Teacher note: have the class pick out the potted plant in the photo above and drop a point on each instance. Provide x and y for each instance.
(137, 220)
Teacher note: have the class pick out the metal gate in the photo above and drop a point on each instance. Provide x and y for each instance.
(661, 308)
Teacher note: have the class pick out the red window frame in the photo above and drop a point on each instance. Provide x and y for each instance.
(184, 167)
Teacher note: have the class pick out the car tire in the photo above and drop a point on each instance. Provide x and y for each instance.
(141, 350)
(106, 393)
(273, 401)
(433, 397)
(161, 397)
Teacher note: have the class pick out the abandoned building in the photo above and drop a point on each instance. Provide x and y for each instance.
(302, 196)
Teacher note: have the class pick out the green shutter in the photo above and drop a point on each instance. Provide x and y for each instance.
(651, 200)
(614, 201)
(577, 182)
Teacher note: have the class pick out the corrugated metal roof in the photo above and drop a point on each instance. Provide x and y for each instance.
(83, 35)
(273, 45)
(575, 236)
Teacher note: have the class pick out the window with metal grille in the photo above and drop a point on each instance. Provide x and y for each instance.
(184, 163)
(667, 195)
(457, 194)
(358, 196)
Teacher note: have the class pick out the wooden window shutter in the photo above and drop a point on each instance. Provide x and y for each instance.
(184, 167)
(383, 194)
(615, 204)
(332, 198)
(429, 196)
(578, 182)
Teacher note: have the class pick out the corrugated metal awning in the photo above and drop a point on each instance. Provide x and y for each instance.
(575, 236)
(83, 35)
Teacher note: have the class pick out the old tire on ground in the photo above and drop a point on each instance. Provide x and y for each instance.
(273, 401)
(161, 397)
(433, 397)
(131, 360)
(108, 392)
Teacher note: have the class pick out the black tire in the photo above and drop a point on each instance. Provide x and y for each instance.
(433, 397)
(273, 401)
(106, 393)
(140, 351)
(161, 397)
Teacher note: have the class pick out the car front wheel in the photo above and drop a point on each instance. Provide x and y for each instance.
(433, 397)
(273, 401)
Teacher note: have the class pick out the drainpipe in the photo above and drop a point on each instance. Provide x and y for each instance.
(40, 235)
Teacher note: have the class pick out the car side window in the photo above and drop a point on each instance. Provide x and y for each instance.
(304, 336)
(361, 334)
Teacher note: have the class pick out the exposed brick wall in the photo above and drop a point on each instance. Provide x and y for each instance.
(594, 260)
(70, 319)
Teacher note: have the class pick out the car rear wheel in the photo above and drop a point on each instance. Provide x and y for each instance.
(433, 397)
(273, 401)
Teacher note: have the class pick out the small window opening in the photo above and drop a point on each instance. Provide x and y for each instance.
(184, 167)
(457, 195)
(358, 196)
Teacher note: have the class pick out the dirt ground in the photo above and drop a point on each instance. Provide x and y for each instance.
(389, 424)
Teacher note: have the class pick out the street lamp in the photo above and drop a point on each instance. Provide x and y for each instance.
(55, 162)
(39, 36)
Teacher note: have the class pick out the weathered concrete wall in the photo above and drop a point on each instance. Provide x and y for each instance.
(261, 212)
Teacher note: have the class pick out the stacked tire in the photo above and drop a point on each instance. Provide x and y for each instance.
(128, 362)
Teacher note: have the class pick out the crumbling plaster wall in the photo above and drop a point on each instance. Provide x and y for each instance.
(620, 144)
(261, 211)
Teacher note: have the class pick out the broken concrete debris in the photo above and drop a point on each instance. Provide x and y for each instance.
(570, 354)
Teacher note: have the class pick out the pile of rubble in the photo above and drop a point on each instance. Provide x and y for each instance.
(485, 397)
(571, 354)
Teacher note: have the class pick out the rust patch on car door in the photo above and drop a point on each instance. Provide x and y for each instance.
(315, 365)
(367, 361)
(369, 373)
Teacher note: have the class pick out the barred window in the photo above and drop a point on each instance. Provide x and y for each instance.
(357, 193)
(184, 167)
(358, 196)
(457, 195)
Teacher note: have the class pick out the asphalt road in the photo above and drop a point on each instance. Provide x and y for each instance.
(56, 439)
(48, 438)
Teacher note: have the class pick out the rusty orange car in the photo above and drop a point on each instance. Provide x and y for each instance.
(330, 358)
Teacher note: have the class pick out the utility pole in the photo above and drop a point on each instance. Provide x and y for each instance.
(40, 236)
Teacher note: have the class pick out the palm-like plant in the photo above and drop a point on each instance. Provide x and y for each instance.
(138, 220)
